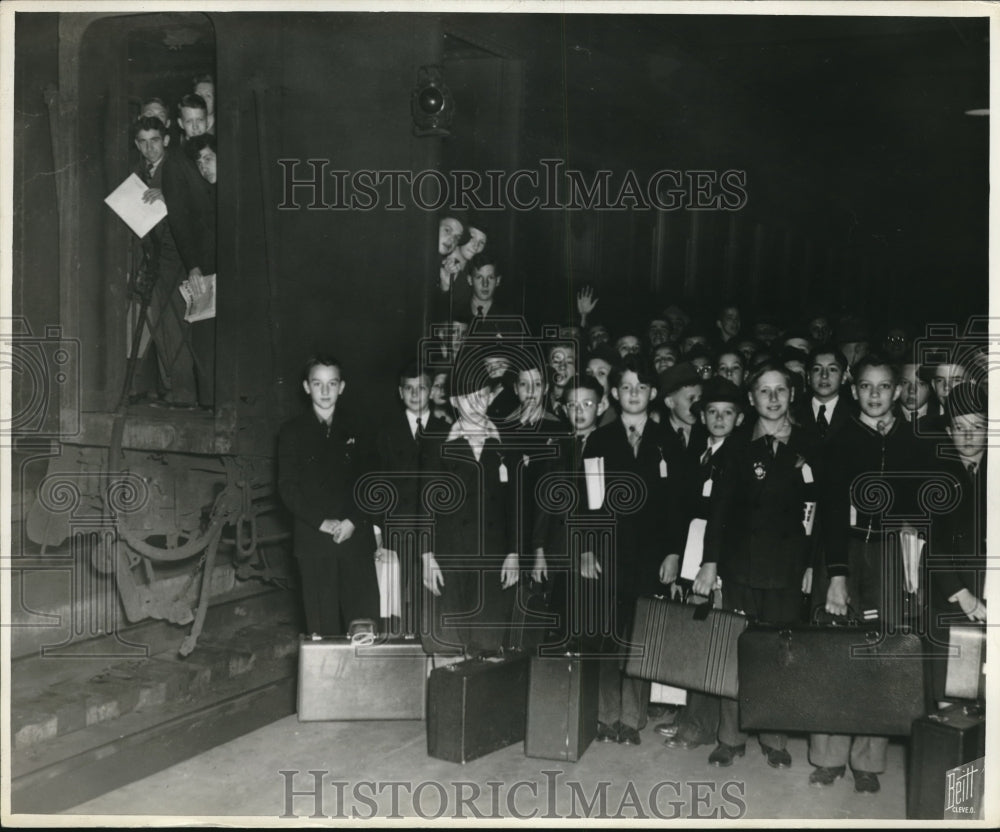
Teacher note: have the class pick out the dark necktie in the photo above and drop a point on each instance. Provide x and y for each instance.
(772, 444)
(479, 311)
(634, 438)
(682, 437)
(971, 468)
(418, 434)
(821, 421)
(706, 457)
(149, 172)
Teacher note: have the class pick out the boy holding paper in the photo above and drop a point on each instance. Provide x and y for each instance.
(647, 538)
(860, 545)
(720, 410)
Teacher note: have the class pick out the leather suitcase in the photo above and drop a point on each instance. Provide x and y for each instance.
(942, 741)
(831, 680)
(965, 677)
(688, 646)
(341, 680)
(476, 707)
(562, 706)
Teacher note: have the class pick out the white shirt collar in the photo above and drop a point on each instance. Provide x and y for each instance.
(412, 419)
(830, 407)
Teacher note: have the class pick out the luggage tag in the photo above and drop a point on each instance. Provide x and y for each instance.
(663, 466)
(503, 472)
(854, 516)
(807, 474)
(706, 489)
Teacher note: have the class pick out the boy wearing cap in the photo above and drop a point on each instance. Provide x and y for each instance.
(720, 410)
(474, 563)
(956, 563)
(757, 533)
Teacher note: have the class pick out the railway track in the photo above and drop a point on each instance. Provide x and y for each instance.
(89, 721)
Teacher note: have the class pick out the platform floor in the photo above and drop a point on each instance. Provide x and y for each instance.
(359, 761)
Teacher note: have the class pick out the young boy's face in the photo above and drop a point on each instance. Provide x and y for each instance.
(628, 345)
(194, 121)
(968, 432)
(484, 282)
(702, 366)
(746, 348)
(415, 393)
(825, 377)
(437, 391)
(875, 391)
(819, 330)
(632, 394)
(658, 332)
(947, 376)
(449, 230)
(680, 402)
(530, 388)
(206, 89)
(584, 407)
(721, 418)
(562, 360)
(731, 367)
(151, 145)
(664, 357)
(771, 396)
(599, 369)
(598, 334)
(206, 164)
(915, 391)
(324, 387)
(729, 321)
(476, 243)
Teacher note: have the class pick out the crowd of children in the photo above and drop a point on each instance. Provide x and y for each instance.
(787, 467)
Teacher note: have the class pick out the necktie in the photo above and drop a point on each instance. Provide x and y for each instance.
(419, 432)
(772, 444)
(821, 421)
(479, 311)
(149, 172)
(706, 457)
(682, 437)
(634, 438)
(882, 427)
(971, 468)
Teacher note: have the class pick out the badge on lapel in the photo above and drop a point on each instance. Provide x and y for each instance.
(759, 471)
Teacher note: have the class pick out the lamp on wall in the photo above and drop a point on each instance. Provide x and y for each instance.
(431, 104)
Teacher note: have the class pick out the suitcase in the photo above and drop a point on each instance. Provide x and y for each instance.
(476, 707)
(562, 706)
(688, 646)
(341, 680)
(965, 677)
(954, 737)
(831, 680)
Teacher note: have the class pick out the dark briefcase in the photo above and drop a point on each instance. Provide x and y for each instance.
(562, 706)
(688, 646)
(341, 680)
(832, 680)
(476, 707)
(954, 737)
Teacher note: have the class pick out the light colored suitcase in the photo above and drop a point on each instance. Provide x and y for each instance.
(341, 680)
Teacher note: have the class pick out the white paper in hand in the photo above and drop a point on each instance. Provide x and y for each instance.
(198, 307)
(693, 549)
(593, 469)
(126, 202)
(912, 547)
(389, 585)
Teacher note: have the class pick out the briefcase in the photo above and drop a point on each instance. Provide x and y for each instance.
(832, 680)
(952, 738)
(685, 645)
(562, 706)
(476, 707)
(964, 677)
(342, 680)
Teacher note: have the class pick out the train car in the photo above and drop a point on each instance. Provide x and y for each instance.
(656, 158)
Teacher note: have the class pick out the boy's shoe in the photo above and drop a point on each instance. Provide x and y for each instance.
(866, 781)
(607, 733)
(724, 754)
(826, 775)
(667, 729)
(682, 742)
(629, 736)
(776, 757)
